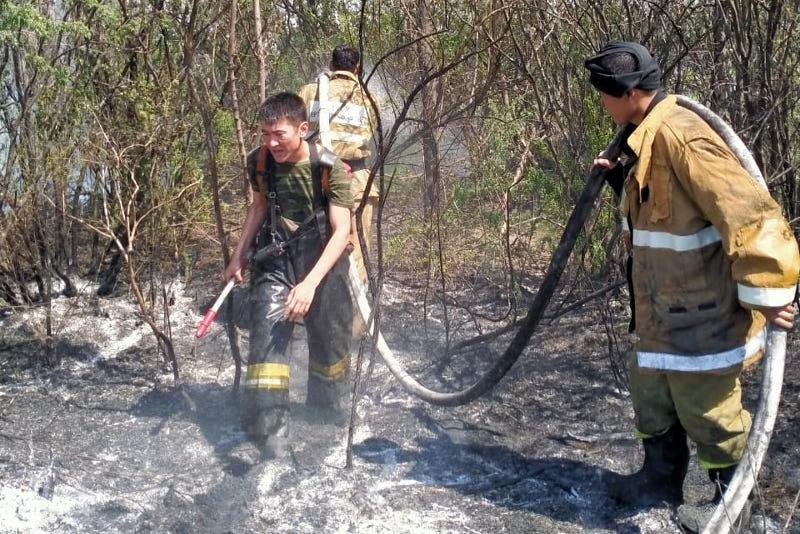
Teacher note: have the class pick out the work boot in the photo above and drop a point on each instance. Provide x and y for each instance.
(666, 460)
(264, 414)
(694, 517)
(328, 401)
(268, 423)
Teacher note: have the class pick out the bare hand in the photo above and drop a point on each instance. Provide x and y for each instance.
(299, 300)
(235, 269)
(603, 162)
(780, 317)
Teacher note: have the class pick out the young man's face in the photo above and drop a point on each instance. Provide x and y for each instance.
(284, 140)
(622, 109)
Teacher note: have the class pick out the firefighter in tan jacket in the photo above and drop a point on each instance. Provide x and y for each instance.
(343, 117)
(713, 260)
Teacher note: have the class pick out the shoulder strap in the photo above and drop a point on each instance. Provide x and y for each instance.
(321, 164)
(323, 90)
(327, 158)
(265, 170)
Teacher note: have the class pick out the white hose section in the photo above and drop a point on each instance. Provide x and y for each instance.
(359, 293)
(323, 89)
(727, 134)
(744, 479)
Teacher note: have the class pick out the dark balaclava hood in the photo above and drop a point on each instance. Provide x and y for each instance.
(646, 77)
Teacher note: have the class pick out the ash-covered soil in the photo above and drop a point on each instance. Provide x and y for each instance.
(107, 442)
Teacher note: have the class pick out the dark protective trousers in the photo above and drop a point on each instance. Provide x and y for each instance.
(328, 326)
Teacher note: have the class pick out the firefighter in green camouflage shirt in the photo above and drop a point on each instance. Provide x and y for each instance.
(296, 231)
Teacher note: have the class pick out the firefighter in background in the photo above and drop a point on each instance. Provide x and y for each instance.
(343, 119)
(713, 260)
(299, 221)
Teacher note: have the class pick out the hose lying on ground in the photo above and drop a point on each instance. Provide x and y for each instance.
(764, 420)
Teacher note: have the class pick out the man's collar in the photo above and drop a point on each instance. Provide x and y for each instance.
(344, 74)
(658, 97)
(630, 127)
(641, 140)
(645, 131)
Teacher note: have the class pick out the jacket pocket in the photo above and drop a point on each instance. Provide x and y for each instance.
(695, 321)
(686, 310)
(676, 273)
(660, 181)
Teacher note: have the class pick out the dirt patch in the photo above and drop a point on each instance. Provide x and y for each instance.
(108, 443)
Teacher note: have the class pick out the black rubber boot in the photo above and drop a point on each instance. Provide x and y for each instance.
(265, 413)
(660, 480)
(328, 400)
(694, 517)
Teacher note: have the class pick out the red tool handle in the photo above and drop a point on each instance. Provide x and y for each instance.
(211, 314)
(202, 328)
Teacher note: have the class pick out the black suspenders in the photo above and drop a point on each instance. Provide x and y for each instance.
(265, 169)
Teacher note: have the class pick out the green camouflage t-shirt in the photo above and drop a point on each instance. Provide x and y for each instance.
(295, 190)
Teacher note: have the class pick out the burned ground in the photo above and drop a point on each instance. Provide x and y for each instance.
(108, 443)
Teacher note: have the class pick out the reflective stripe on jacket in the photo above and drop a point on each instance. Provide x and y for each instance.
(710, 246)
(351, 114)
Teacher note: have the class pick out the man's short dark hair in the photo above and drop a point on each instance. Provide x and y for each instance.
(279, 106)
(345, 57)
(620, 63)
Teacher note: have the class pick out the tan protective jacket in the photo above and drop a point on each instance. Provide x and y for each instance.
(351, 115)
(709, 247)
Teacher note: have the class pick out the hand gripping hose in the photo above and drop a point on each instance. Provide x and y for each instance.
(744, 479)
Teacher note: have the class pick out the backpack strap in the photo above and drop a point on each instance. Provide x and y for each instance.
(326, 158)
(321, 164)
(265, 171)
(323, 88)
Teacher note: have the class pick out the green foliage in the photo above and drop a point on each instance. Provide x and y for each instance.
(226, 134)
(24, 17)
(398, 244)
(109, 89)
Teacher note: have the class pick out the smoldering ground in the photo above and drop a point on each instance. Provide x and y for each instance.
(107, 443)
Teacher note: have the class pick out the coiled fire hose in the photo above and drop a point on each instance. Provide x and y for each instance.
(774, 358)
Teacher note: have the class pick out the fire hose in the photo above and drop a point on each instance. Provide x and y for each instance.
(774, 358)
(744, 478)
(582, 209)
